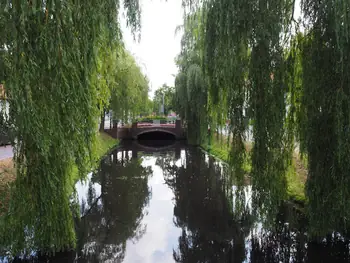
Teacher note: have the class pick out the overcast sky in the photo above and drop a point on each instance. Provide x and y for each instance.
(159, 46)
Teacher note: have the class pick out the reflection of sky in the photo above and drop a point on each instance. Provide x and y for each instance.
(82, 188)
(161, 237)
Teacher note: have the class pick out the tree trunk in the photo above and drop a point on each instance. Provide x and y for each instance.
(102, 123)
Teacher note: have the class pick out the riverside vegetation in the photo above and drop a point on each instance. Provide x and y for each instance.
(63, 66)
(255, 64)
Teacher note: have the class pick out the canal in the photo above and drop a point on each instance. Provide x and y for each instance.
(177, 204)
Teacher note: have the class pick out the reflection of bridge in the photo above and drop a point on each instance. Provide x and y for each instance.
(136, 147)
(139, 129)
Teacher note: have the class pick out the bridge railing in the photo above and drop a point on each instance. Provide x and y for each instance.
(156, 123)
(131, 132)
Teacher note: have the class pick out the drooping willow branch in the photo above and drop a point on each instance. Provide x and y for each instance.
(51, 54)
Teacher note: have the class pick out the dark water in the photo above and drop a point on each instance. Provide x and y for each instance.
(156, 136)
(178, 204)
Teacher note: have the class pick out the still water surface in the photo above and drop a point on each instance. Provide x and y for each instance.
(178, 204)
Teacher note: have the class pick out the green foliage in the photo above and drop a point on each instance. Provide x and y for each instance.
(121, 202)
(240, 52)
(292, 93)
(325, 103)
(296, 185)
(52, 56)
(222, 149)
(191, 97)
(147, 108)
(104, 143)
(5, 128)
(255, 68)
(151, 118)
(169, 94)
(130, 90)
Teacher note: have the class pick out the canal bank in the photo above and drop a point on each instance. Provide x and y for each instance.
(296, 174)
(104, 144)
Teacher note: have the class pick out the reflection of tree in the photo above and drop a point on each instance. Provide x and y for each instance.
(114, 216)
(284, 243)
(332, 249)
(288, 242)
(204, 211)
(268, 193)
(216, 229)
(218, 224)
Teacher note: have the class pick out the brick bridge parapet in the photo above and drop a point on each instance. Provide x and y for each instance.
(137, 129)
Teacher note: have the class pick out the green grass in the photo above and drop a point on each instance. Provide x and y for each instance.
(296, 178)
(221, 150)
(104, 143)
(296, 174)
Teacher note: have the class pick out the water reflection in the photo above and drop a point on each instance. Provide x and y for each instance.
(114, 214)
(204, 211)
(180, 205)
(148, 145)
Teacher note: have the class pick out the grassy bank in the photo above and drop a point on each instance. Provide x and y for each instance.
(8, 173)
(220, 149)
(296, 174)
(296, 180)
(104, 143)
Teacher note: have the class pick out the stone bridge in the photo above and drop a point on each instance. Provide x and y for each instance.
(138, 129)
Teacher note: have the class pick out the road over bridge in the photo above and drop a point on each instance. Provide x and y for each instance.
(142, 130)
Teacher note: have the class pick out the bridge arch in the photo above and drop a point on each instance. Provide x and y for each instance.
(157, 133)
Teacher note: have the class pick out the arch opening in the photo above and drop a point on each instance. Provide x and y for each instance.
(156, 136)
(156, 139)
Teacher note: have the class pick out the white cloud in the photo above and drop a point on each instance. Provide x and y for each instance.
(161, 237)
(158, 46)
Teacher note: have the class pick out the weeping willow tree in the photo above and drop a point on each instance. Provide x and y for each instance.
(226, 64)
(105, 74)
(129, 94)
(191, 86)
(325, 103)
(271, 153)
(52, 48)
(120, 79)
(241, 46)
(294, 92)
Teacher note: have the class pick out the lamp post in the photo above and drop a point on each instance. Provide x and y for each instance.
(162, 105)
